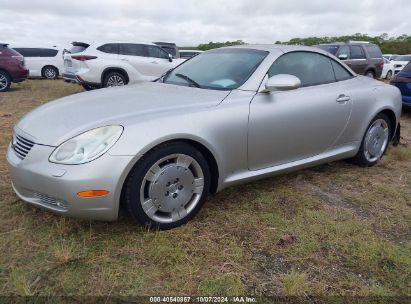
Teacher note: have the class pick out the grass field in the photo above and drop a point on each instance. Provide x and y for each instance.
(335, 229)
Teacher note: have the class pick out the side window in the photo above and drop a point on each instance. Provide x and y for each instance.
(48, 53)
(156, 52)
(310, 68)
(25, 52)
(133, 49)
(374, 51)
(357, 52)
(340, 72)
(37, 52)
(344, 50)
(109, 48)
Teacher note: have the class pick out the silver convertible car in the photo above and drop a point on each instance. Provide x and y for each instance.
(224, 117)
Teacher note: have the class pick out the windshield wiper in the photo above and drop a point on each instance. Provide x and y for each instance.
(188, 79)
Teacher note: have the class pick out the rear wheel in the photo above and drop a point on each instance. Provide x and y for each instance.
(375, 141)
(114, 79)
(168, 186)
(5, 81)
(50, 72)
(370, 73)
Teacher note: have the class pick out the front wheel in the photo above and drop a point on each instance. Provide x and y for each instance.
(375, 141)
(114, 79)
(389, 75)
(168, 186)
(370, 74)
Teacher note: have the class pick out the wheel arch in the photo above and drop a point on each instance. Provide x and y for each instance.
(7, 72)
(114, 69)
(209, 156)
(393, 120)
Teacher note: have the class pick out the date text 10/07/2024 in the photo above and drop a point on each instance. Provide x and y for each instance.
(238, 299)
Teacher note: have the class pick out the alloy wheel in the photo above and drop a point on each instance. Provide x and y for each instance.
(172, 188)
(115, 81)
(3, 82)
(50, 73)
(376, 140)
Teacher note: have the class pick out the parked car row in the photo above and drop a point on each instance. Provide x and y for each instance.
(42, 61)
(108, 63)
(113, 63)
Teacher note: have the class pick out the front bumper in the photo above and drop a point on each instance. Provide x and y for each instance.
(54, 187)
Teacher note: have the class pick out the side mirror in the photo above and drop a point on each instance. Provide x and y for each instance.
(343, 56)
(282, 82)
(170, 57)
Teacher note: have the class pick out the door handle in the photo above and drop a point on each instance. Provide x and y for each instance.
(343, 98)
(124, 59)
(155, 62)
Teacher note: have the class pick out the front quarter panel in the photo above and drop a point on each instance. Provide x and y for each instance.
(222, 129)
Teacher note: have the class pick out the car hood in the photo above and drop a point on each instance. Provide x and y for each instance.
(59, 120)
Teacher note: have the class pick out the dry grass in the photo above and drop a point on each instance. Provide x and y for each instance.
(336, 229)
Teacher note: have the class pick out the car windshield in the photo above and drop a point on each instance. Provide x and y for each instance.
(77, 49)
(221, 69)
(330, 48)
(403, 58)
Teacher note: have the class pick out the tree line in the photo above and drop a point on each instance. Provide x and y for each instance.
(389, 45)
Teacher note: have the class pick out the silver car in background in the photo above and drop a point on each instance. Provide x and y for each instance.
(224, 117)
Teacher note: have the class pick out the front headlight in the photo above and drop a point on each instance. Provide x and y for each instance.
(86, 146)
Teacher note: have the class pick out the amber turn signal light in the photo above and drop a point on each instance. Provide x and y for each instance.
(92, 193)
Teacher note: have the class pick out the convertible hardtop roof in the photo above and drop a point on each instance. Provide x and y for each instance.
(281, 47)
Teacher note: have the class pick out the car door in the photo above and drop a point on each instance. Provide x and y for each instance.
(159, 59)
(35, 61)
(357, 61)
(285, 126)
(136, 56)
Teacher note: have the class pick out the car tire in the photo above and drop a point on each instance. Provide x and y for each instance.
(89, 87)
(370, 73)
(375, 141)
(114, 79)
(50, 72)
(389, 75)
(168, 186)
(5, 81)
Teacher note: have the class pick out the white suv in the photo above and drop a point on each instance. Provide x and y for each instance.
(105, 64)
(46, 62)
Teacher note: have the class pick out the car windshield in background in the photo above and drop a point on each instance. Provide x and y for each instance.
(77, 49)
(403, 58)
(225, 69)
(330, 48)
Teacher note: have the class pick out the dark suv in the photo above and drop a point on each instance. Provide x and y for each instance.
(363, 58)
(11, 67)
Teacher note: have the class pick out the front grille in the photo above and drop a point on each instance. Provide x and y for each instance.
(48, 200)
(21, 146)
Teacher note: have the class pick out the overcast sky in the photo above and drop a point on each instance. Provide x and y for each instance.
(190, 22)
